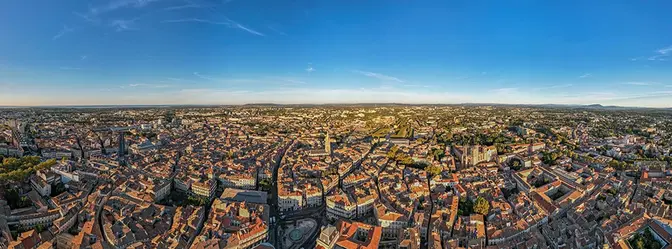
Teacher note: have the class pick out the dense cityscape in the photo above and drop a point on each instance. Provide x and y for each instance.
(341, 176)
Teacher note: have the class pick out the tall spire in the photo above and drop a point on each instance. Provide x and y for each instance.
(327, 144)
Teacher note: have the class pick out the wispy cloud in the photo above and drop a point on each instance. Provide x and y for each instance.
(175, 79)
(288, 81)
(310, 69)
(70, 68)
(661, 54)
(586, 75)
(63, 32)
(505, 90)
(123, 25)
(119, 4)
(658, 57)
(225, 80)
(150, 85)
(87, 18)
(665, 50)
(379, 76)
(648, 95)
(276, 30)
(228, 22)
(249, 30)
(194, 20)
(640, 83)
(293, 81)
(179, 7)
(199, 75)
(415, 85)
(554, 87)
(83, 57)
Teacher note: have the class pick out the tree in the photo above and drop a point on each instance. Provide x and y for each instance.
(438, 154)
(550, 157)
(229, 155)
(18, 169)
(618, 165)
(433, 170)
(515, 163)
(465, 207)
(644, 240)
(265, 184)
(405, 160)
(481, 206)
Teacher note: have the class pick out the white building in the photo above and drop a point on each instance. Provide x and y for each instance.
(161, 190)
(183, 185)
(205, 188)
(238, 181)
(290, 200)
(40, 185)
(341, 206)
(57, 154)
(391, 222)
(365, 205)
(313, 198)
(66, 175)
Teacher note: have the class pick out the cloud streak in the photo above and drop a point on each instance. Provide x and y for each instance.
(199, 75)
(70, 68)
(149, 85)
(229, 23)
(554, 87)
(293, 81)
(586, 75)
(505, 90)
(225, 80)
(180, 7)
(65, 30)
(123, 25)
(665, 50)
(277, 30)
(119, 4)
(87, 18)
(640, 83)
(661, 54)
(379, 76)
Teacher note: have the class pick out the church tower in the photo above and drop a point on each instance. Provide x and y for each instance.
(327, 144)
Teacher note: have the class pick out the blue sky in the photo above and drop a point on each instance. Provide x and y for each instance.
(317, 51)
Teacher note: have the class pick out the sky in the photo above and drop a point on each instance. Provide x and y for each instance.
(131, 52)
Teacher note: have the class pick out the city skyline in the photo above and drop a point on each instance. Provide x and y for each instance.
(156, 52)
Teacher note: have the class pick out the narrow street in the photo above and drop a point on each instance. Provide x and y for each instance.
(274, 195)
(205, 219)
(431, 211)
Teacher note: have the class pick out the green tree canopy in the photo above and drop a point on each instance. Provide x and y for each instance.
(18, 169)
(434, 170)
(481, 206)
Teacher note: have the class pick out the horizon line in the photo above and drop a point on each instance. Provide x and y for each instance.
(327, 104)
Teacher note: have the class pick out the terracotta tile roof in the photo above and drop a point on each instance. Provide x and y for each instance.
(349, 233)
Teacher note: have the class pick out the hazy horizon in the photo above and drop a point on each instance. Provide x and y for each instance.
(211, 52)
